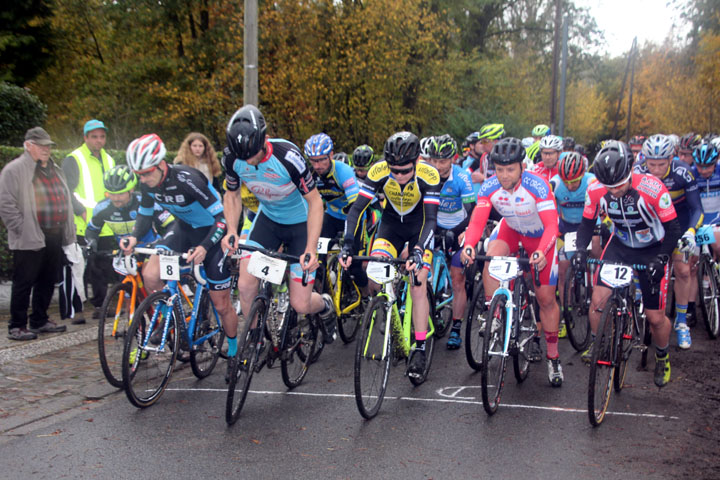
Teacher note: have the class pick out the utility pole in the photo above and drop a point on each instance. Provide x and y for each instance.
(563, 76)
(250, 53)
(556, 48)
(613, 135)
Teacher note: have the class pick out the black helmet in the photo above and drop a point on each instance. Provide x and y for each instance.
(508, 151)
(568, 143)
(246, 132)
(613, 163)
(363, 156)
(119, 179)
(443, 146)
(401, 149)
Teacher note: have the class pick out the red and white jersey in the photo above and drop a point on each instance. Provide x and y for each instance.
(544, 172)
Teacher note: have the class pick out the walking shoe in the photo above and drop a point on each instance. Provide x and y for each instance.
(683, 336)
(555, 374)
(562, 330)
(662, 370)
(417, 364)
(328, 323)
(49, 327)
(535, 351)
(586, 356)
(78, 319)
(230, 365)
(21, 334)
(454, 341)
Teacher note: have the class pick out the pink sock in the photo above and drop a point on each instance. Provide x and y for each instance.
(421, 335)
(551, 338)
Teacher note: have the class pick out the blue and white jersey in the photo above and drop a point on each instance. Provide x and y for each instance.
(570, 204)
(279, 181)
(709, 189)
(338, 188)
(455, 193)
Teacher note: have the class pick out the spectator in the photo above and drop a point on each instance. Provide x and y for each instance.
(36, 209)
(84, 169)
(197, 152)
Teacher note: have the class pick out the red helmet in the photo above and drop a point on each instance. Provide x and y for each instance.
(572, 166)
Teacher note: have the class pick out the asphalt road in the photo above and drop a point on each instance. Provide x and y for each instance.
(437, 430)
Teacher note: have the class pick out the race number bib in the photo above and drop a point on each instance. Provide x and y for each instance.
(380, 272)
(323, 245)
(705, 236)
(169, 267)
(503, 268)
(267, 268)
(571, 242)
(616, 275)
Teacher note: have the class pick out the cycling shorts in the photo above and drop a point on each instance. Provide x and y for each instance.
(392, 235)
(548, 275)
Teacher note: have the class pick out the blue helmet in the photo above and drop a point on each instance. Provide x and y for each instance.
(705, 154)
(318, 145)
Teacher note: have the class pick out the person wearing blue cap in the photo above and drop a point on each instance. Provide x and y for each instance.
(84, 169)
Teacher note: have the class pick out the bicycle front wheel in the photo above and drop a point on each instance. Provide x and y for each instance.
(299, 345)
(204, 356)
(112, 331)
(602, 365)
(575, 311)
(249, 340)
(475, 329)
(429, 340)
(708, 283)
(443, 316)
(146, 367)
(623, 354)
(526, 329)
(372, 359)
(494, 361)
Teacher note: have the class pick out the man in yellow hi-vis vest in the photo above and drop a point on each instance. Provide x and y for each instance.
(84, 169)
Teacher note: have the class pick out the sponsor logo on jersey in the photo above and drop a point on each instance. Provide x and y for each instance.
(348, 183)
(296, 160)
(644, 236)
(665, 201)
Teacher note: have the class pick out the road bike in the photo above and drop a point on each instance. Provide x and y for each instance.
(708, 275)
(577, 292)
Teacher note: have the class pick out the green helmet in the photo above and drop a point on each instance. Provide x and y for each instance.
(492, 131)
(533, 150)
(119, 179)
(540, 130)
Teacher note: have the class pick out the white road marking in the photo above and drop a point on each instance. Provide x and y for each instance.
(460, 400)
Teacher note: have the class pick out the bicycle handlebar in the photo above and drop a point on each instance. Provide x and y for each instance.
(281, 256)
(161, 251)
(391, 261)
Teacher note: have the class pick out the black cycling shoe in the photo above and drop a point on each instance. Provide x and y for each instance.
(417, 364)
(328, 323)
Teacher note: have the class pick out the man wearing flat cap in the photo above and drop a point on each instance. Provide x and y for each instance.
(36, 209)
(84, 169)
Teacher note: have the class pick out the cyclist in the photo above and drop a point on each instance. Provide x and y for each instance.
(707, 174)
(550, 148)
(539, 131)
(636, 144)
(199, 220)
(568, 144)
(688, 143)
(119, 211)
(290, 212)
(457, 201)
(680, 182)
(341, 157)
(646, 231)
(337, 186)
(412, 190)
(529, 216)
(362, 159)
(471, 162)
(490, 135)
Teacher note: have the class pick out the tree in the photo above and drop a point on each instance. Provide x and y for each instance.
(25, 40)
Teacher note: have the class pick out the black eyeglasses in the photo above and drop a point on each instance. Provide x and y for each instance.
(401, 171)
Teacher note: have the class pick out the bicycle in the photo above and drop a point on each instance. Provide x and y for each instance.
(510, 326)
(442, 287)
(291, 339)
(387, 334)
(158, 330)
(708, 275)
(577, 292)
(622, 328)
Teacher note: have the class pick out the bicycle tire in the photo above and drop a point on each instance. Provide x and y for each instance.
(709, 298)
(574, 312)
(298, 348)
(429, 340)
(245, 359)
(146, 374)
(204, 356)
(110, 345)
(494, 362)
(625, 342)
(371, 370)
(349, 323)
(443, 317)
(475, 329)
(526, 328)
(647, 340)
(602, 365)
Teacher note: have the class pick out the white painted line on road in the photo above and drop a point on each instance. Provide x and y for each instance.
(437, 400)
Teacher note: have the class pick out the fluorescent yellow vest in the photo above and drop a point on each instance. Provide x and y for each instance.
(90, 189)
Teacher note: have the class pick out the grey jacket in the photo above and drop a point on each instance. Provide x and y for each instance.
(17, 205)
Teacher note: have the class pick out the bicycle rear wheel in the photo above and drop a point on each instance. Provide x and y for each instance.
(526, 328)
(348, 323)
(443, 316)
(602, 365)
(429, 340)
(494, 361)
(249, 340)
(204, 356)
(112, 331)
(145, 372)
(708, 284)
(575, 311)
(372, 359)
(475, 329)
(298, 347)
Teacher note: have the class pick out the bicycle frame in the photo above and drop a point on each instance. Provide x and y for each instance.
(439, 261)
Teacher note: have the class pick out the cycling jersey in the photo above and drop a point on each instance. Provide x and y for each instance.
(642, 218)
(456, 200)
(546, 173)
(529, 210)
(570, 204)
(416, 200)
(470, 164)
(338, 189)
(190, 197)
(683, 189)
(121, 220)
(709, 189)
(279, 181)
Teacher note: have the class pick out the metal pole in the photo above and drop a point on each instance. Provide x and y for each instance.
(633, 55)
(250, 53)
(556, 45)
(563, 76)
(622, 90)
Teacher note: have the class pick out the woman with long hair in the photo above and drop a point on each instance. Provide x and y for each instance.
(197, 152)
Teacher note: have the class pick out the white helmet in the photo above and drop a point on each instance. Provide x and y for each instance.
(425, 147)
(657, 147)
(145, 152)
(551, 142)
(527, 141)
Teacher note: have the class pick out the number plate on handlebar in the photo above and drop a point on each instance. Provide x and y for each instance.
(616, 275)
(267, 268)
(570, 239)
(169, 267)
(503, 269)
(380, 272)
(323, 245)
